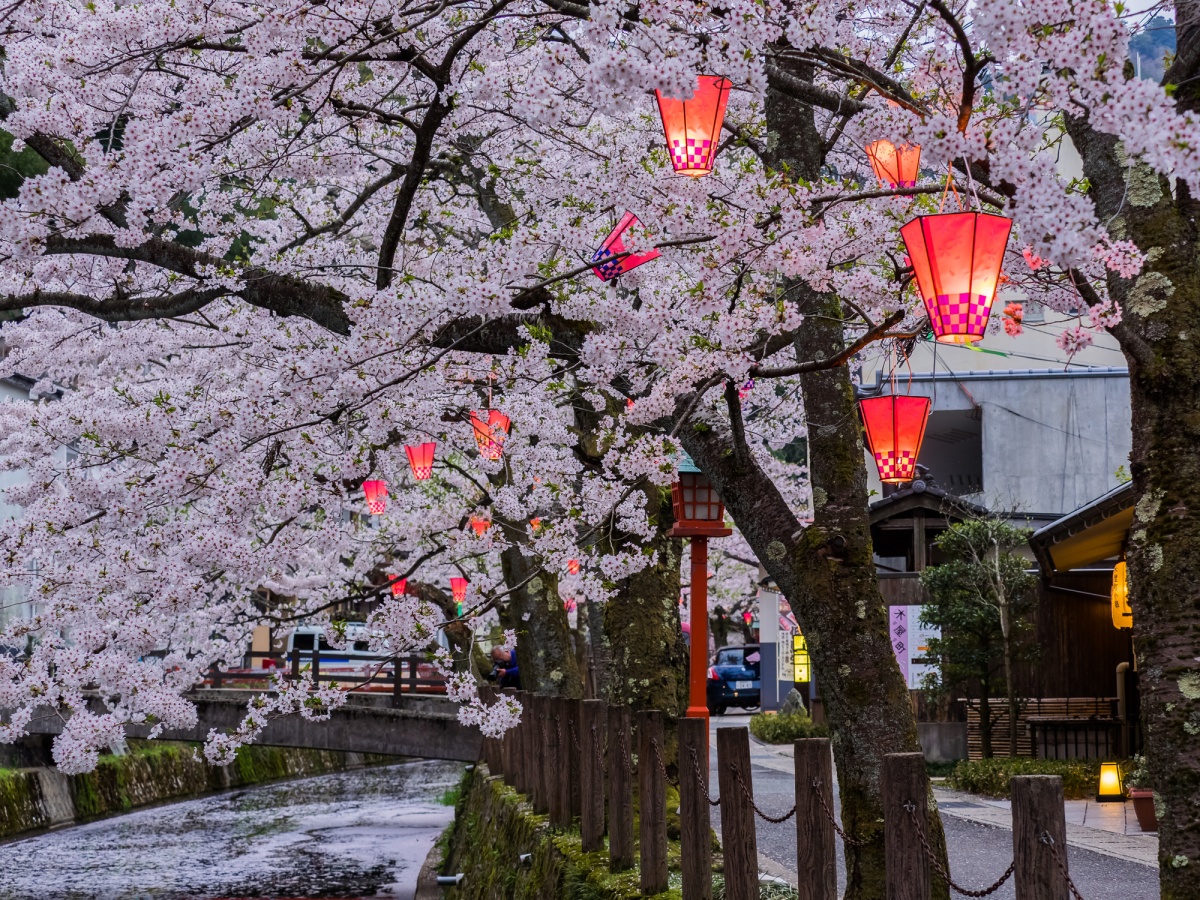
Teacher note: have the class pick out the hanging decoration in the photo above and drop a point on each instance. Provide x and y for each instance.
(458, 588)
(490, 434)
(898, 167)
(420, 459)
(956, 258)
(693, 127)
(1122, 612)
(535, 524)
(398, 586)
(608, 266)
(480, 525)
(377, 495)
(895, 427)
(573, 567)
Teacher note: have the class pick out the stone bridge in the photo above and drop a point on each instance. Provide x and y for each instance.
(427, 728)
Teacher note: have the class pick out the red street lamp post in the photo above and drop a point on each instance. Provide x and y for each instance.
(699, 515)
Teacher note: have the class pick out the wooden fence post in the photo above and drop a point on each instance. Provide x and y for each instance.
(620, 790)
(560, 789)
(520, 755)
(816, 852)
(591, 772)
(397, 694)
(652, 802)
(541, 751)
(737, 815)
(574, 711)
(1037, 809)
(508, 743)
(907, 865)
(316, 663)
(695, 845)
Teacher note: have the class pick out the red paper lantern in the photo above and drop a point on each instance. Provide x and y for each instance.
(490, 435)
(956, 258)
(480, 524)
(573, 567)
(420, 459)
(535, 524)
(609, 268)
(895, 166)
(376, 494)
(895, 427)
(458, 587)
(693, 127)
(398, 586)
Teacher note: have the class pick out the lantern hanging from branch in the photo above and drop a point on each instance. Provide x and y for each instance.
(699, 512)
(420, 459)
(398, 586)
(480, 525)
(898, 167)
(573, 567)
(693, 127)
(607, 265)
(376, 493)
(956, 258)
(458, 587)
(895, 427)
(490, 433)
(1122, 612)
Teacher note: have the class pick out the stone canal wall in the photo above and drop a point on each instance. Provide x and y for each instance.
(494, 825)
(151, 772)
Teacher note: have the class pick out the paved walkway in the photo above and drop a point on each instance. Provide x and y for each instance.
(1110, 858)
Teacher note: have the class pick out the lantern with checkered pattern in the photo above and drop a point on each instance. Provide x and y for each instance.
(608, 266)
(895, 427)
(490, 432)
(895, 166)
(420, 459)
(693, 127)
(956, 258)
(376, 494)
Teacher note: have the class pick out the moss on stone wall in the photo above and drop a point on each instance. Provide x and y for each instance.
(494, 825)
(154, 771)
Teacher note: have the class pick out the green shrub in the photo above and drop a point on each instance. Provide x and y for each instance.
(776, 728)
(989, 777)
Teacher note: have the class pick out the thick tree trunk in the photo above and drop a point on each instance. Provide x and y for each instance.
(535, 611)
(827, 572)
(1160, 336)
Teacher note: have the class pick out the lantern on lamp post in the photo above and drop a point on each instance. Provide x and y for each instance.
(693, 127)
(894, 427)
(895, 166)
(956, 258)
(699, 515)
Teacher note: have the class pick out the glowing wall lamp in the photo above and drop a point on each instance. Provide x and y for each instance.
(1122, 612)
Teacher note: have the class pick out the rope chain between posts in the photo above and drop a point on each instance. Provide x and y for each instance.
(1048, 839)
(745, 788)
(625, 755)
(662, 767)
(853, 842)
(701, 780)
(943, 873)
(597, 747)
(574, 734)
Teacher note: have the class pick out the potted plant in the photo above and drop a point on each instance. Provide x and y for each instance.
(1142, 795)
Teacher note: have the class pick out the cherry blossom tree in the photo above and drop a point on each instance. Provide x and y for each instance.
(262, 247)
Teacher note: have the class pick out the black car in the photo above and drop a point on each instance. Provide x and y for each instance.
(734, 679)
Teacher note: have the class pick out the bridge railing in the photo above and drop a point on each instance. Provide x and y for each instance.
(368, 673)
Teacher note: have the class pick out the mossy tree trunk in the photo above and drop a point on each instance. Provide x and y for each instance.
(1160, 336)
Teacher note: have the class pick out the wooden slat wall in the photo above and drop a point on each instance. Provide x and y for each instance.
(1081, 708)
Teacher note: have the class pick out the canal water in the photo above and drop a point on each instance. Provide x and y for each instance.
(357, 834)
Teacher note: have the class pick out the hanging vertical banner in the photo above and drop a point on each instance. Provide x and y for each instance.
(910, 643)
(801, 662)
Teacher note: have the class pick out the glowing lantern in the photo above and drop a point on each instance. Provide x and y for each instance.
(895, 166)
(535, 524)
(490, 435)
(376, 494)
(420, 459)
(608, 267)
(573, 567)
(693, 127)
(1110, 789)
(699, 511)
(458, 587)
(398, 586)
(895, 427)
(480, 524)
(1122, 612)
(956, 258)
